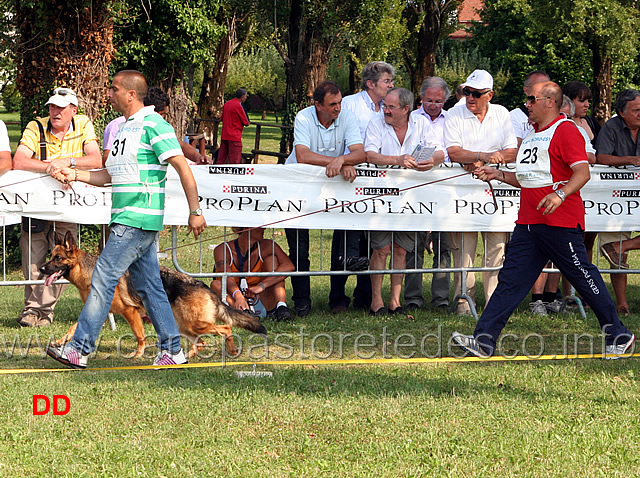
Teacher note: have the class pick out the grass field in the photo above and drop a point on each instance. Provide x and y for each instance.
(533, 419)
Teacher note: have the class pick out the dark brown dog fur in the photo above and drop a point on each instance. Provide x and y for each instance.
(195, 307)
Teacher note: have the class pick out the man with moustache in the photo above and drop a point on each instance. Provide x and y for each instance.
(551, 168)
(63, 139)
(390, 142)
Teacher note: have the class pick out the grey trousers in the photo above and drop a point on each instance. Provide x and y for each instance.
(440, 283)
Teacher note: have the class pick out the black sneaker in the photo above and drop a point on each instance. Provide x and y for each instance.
(303, 310)
(283, 313)
(355, 263)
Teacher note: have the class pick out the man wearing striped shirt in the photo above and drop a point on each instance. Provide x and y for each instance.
(136, 168)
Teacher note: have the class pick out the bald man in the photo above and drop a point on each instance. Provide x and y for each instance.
(551, 168)
(136, 168)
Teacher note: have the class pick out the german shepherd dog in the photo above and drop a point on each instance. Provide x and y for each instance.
(195, 306)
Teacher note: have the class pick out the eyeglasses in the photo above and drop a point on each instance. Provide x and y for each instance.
(434, 103)
(63, 92)
(532, 99)
(475, 94)
(390, 107)
(387, 81)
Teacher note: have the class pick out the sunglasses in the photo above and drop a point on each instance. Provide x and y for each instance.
(63, 92)
(532, 99)
(475, 94)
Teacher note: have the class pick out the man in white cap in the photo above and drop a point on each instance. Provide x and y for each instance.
(475, 134)
(63, 139)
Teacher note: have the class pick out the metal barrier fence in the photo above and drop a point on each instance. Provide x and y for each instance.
(320, 251)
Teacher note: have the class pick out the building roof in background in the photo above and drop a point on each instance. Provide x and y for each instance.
(468, 12)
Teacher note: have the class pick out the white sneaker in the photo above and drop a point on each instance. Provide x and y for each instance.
(538, 308)
(470, 344)
(614, 352)
(553, 307)
(166, 358)
(68, 356)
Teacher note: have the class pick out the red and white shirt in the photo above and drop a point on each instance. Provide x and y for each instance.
(544, 164)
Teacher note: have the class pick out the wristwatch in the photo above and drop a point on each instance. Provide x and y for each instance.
(72, 162)
(561, 194)
(197, 212)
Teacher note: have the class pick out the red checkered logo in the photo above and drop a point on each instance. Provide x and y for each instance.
(636, 175)
(616, 193)
(359, 192)
(226, 189)
(250, 171)
(488, 192)
(382, 174)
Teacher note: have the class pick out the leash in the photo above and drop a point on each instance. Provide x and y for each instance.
(280, 221)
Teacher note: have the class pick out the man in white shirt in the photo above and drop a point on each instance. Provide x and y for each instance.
(390, 142)
(475, 134)
(433, 92)
(322, 134)
(350, 249)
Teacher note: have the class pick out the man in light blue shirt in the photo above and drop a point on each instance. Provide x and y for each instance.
(322, 133)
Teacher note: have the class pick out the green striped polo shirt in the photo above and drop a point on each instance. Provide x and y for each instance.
(137, 164)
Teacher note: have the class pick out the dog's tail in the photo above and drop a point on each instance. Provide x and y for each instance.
(238, 318)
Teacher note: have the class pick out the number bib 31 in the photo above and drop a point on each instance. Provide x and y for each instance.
(122, 162)
(533, 166)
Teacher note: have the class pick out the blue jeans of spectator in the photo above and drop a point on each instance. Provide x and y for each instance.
(133, 249)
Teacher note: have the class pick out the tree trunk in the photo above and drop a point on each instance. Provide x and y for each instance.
(428, 36)
(601, 89)
(213, 85)
(64, 43)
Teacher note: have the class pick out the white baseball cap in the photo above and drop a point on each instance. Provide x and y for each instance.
(63, 97)
(480, 80)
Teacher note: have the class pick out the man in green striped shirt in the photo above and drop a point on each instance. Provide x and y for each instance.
(136, 168)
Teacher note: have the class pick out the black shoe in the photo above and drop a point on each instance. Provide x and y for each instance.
(379, 312)
(303, 310)
(283, 313)
(411, 307)
(398, 310)
(355, 263)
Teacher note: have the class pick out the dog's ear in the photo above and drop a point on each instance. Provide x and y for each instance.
(57, 238)
(69, 241)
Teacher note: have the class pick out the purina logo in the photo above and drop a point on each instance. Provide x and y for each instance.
(371, 174)
(503, 193)
(233, 170)
(377, 191)
(625, 193)
(235, 189)
(620, 175)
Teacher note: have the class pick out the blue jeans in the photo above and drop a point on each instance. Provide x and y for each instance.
(133, 249)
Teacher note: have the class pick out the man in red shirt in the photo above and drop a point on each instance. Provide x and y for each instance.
(234, 119)
(551, 168)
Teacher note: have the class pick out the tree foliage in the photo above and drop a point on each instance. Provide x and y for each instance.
(63, 43)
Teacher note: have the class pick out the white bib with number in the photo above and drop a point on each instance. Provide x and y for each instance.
(122, 162)
(533, 164)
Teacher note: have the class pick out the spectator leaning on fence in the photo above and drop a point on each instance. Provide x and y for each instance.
(549, 226)
(476, 133)
(322, 132)
(390, 142)
(70, 142)
(350, 249)
(433, 92)
(618, 146)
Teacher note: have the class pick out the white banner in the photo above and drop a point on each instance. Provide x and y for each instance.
(302, 196)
